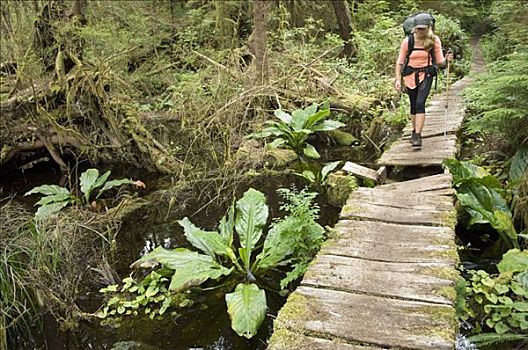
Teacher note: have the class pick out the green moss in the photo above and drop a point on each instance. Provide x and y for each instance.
(446, 272)
(449, 219)
(339, 188)
(342, 138)
(450, 253)
(280, 158)
(349, 209)
(287, 329)
(445, 317)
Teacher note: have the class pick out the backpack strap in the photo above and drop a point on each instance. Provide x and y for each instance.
(410, 48)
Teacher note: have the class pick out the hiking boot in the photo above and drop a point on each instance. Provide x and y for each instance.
(417, 141)
(413, 136)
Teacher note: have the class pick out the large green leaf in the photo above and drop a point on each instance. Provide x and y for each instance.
(482, 199)
(464, 170)
(519, 164)
(48, 209)
(59, 197)
(101, 180)
(247, 308)
(251, 216)
(283, 116)
(113, 183)
(300, 117)
(48, 190)
(209, 242)
(311, 152)
(190, 268)
(315, 118)
(227, 225)
(514, 260)
(328, 125)
(87, 181)
(486, 205)
(55, 199)
(328, 168)
(279, 244)
(503, 223)
(276, 143)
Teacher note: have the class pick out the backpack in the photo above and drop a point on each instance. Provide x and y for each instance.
(408, 26)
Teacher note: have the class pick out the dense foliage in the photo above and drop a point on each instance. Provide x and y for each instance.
(175, 88)
(293, 240)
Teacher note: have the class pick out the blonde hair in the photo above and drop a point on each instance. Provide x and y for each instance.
(429, 39)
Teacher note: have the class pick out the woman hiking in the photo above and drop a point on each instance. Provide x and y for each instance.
(420, 69)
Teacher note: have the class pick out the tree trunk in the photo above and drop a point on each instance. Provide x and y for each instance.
(296, 19)
(79, 10)
(344, 20)
(258, 41)
(36, 7)
(224, 25)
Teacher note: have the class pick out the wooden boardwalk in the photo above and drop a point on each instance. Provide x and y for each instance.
(385, 278)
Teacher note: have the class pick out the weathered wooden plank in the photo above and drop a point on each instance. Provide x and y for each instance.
(394, 199)
(433, 151)
(412, 281)
(360, 171)
(286, 339)
(365, 211)
(423, 184)
(371, 319)
(392, 242)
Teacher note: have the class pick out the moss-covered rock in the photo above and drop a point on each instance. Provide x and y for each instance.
(342, 138)
(339, 187)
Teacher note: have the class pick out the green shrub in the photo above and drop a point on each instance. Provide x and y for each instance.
(499, 302)
(481, 196)
(292, 131)
(56, 197)
(499, 100)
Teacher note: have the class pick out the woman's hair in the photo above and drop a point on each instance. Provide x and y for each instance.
(429, 39)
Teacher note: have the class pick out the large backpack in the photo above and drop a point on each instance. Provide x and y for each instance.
(408, 26)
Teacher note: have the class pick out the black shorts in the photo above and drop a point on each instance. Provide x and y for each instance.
(419, 94)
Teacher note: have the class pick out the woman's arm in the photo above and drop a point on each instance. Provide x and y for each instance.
(399, 64)
(440, 60)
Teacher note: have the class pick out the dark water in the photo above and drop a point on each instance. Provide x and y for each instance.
(156, 225)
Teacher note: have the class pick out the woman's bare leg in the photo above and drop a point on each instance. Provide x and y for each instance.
(419, 122)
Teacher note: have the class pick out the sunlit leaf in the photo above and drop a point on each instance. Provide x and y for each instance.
(247, 309)
(48, 209)
(283, 116)
(276, 143)
(519, 164)
(328, 125)
(48, 190)
(87, 181)
(313, 119)
(59, 197)
(251, 216)
(311, 152)
(523, 280)
(191, 268)
(115, 183)
(279, 244)
(227, 225)
(209, 242)
(328, 168)
(464, 170)
(514, 260)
